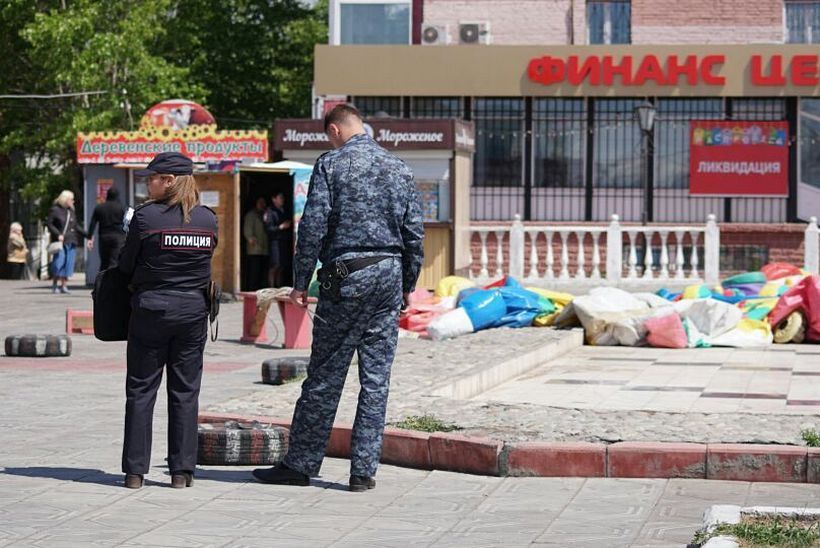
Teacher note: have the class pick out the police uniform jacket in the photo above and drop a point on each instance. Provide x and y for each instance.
(163, 253)
(362, 201)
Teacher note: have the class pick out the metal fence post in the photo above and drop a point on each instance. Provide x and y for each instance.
(811, 253)
(517, 248)
(711, 268)
(614, 250)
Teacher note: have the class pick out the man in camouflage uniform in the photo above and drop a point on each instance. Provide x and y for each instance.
(363, 221)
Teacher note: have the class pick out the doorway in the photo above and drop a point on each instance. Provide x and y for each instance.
(265, 184)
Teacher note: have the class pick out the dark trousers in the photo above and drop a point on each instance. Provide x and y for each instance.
(167, 329)
(257, 272)
(16, 270)
(110, 247)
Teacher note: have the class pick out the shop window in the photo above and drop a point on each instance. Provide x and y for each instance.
(499, 124)
(559, 142)
(809, 148)
(378, 107)
(617, 145)
(758, 109)
(364, 22)
(437, 107)
(672, 137)
(803, 21)
(609, 22)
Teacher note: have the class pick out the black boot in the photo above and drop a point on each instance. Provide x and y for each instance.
(180, 480)
(134, 481)
(281, 475)
(361, 483)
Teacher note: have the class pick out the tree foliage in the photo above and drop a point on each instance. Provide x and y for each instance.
(248, 61)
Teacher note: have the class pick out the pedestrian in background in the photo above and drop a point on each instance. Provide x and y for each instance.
(278, 226)
(256, 244)
(17, 252)
(109, 215)
(64, 229)
(167, 259)
(363, 220)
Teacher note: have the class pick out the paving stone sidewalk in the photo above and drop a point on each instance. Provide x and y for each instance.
(531, 407)
(60, 485)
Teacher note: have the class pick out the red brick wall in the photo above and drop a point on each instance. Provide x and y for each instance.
(707, 13)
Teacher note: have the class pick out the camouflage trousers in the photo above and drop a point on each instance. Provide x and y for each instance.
(365, 321)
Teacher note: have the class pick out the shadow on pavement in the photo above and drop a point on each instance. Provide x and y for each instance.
(245, 476)
(81, 475)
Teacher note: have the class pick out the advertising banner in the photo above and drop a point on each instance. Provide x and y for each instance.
(102, 189)
(173, 126)
(403, 134)
(734, 158)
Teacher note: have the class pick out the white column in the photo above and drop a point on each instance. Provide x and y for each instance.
(693, 258)
(485, 260)
(517, 248)
(679, 258)
(499, 253)
(614, 250)
(812, 253)
(633, 256)
(533, 274)
(664, 274)
(581, 272)
(564, 275)
(711, 264)
(647, 257)
(549, 273)
(596, 256)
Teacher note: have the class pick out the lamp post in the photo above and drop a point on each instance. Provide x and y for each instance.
(645, 116)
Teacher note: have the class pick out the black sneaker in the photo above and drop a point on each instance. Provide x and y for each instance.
(281, 475)
(361, 483)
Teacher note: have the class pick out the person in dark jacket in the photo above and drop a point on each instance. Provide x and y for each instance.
(167, 260)
(277, 225)
(109, 215)
(63, 227)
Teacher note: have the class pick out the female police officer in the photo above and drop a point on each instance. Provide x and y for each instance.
(167, 256)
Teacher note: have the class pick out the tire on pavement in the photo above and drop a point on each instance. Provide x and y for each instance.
(38, 346)
(234, 443)
(279, 370)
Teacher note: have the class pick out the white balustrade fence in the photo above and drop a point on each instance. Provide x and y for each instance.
(551, 254)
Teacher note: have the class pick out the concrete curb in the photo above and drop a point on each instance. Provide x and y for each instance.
(485, 456)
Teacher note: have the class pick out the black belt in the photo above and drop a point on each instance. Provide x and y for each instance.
(331, 275)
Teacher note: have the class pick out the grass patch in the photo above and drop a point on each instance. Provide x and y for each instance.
(811, 437)
(764, 531)
(425, 423)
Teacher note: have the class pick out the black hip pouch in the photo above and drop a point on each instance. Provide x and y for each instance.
(331, 275)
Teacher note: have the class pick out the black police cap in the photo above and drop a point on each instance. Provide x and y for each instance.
(167, 163)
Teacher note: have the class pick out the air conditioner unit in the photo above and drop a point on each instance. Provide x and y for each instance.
(434, 35)
(474, 33)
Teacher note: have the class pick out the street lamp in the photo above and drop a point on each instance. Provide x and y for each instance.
(645, 116)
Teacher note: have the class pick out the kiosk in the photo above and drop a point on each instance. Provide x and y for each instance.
(231, 170)
(440, 153)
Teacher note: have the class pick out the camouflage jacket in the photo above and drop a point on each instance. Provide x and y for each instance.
(362, 201)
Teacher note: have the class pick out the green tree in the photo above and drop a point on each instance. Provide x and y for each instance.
(255, 57)
(88, 45)
(248, 61)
